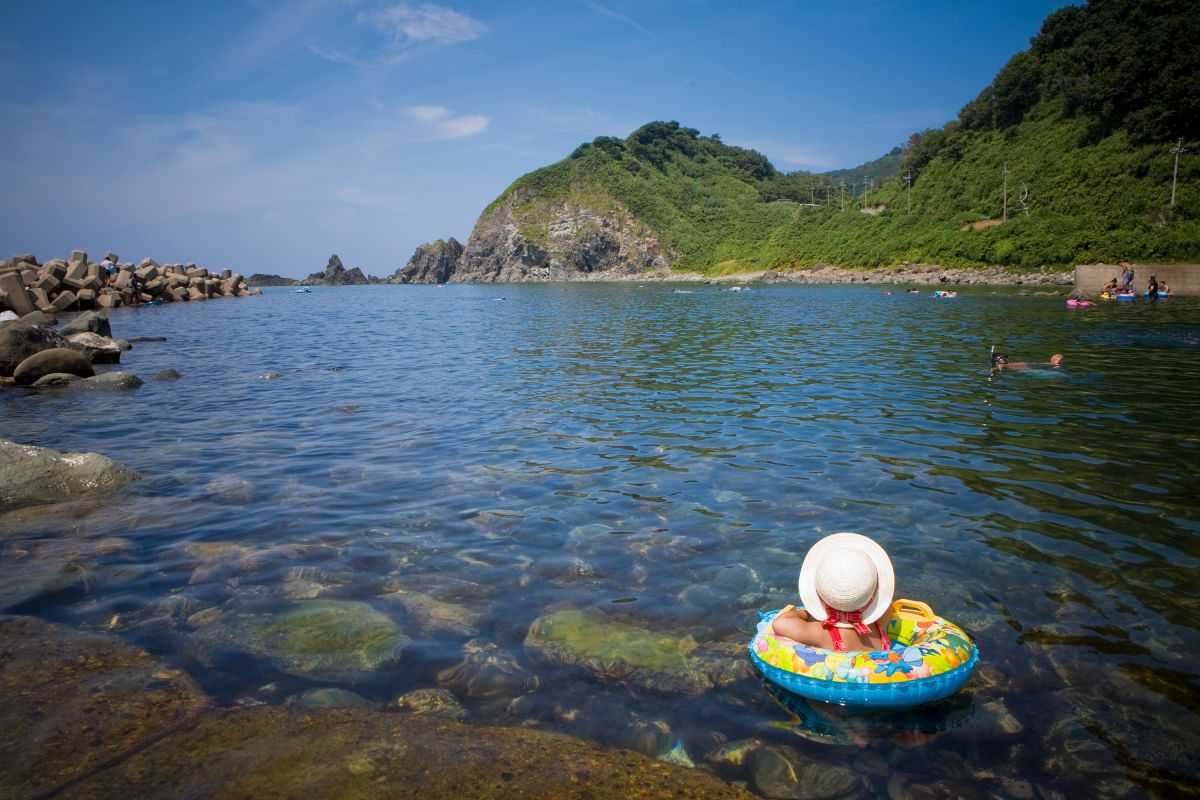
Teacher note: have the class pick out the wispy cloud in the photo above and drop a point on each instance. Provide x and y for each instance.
(443, 124)
(608, 12)
(408, 25)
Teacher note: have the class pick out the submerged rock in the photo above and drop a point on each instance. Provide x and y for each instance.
(329, 697)
(29, 473)
(433, 703)
(331, 640)
(487, 672)
(623, 652)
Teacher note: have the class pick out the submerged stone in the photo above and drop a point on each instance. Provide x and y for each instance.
(433, 703)
(623, 652)
(332, 640)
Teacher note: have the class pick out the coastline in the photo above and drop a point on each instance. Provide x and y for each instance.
(911, 274)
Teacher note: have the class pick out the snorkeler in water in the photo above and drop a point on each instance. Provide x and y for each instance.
(1000, 361)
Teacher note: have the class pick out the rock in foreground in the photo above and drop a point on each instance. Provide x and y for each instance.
(70, 702)
(88, 716)
(29, 473)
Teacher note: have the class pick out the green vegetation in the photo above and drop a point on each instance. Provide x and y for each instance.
(1069, 149)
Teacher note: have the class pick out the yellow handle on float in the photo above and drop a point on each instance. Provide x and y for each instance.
(912, 609)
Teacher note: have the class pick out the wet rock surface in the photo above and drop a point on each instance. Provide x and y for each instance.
(29, 473)
(89, 716)
(72, 702)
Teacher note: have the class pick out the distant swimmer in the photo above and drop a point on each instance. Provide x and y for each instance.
(1000, 361)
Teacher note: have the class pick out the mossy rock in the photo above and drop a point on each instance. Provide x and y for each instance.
(329, 640)
(624, 652)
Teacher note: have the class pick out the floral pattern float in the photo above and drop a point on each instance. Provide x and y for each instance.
(930, 658)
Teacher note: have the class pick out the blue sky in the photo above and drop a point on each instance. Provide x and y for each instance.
(265, 136)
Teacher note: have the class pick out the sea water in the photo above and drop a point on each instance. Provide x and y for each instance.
(664, 460)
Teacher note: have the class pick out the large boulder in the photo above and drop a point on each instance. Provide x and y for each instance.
(29, 473)
(111, 380)
(98, 349)
(89, 321)
(56, 359)
(18, 341)
(624, 652)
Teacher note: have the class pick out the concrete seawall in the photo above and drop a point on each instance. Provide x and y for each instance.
(1184, 279)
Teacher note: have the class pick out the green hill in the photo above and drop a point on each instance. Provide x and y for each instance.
(1075, 135)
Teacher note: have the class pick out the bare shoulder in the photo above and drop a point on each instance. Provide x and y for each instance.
(792, 623)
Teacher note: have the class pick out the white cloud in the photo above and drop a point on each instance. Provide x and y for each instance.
(442, 124)
(424, 22)
(464, 126)
(429, 113)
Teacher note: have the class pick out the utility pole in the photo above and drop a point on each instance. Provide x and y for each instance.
(842, 193)
(812, 195)
(908, 180)
(1177, 149)
(1006, 191)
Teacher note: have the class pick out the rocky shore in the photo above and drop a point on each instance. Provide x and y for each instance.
(76, 283)
(86, 715)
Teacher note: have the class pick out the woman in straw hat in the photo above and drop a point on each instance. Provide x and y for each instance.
(846, 584)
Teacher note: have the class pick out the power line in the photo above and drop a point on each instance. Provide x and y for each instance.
(1177, 149)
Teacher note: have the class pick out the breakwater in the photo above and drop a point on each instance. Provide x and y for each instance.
(77, 283)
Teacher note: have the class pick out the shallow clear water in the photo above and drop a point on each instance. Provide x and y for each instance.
(667, 458)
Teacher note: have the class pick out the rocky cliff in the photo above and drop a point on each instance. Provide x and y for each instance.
(524, 238)
(431, 263)
(336, 274)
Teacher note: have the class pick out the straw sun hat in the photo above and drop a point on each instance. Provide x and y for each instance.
(848, 572)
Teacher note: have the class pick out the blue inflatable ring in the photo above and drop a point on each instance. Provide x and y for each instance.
(930, 659)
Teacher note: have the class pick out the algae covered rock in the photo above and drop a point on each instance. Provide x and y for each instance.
(622, 651)
(329, 640)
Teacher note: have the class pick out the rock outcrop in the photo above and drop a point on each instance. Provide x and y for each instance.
(431, 263)
(336, 274)
(572, 242)
(29, 473)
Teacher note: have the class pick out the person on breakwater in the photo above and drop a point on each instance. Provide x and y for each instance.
(1000, 361)
(1127, 276)
(846, 583)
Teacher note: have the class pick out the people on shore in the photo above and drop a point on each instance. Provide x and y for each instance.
(1000, 361)
(846, 584)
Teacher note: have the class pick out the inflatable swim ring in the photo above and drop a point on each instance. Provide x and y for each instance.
(931, 658)
(1125, 295)
(1161, 295)
(941, 294)
(1073, 303)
